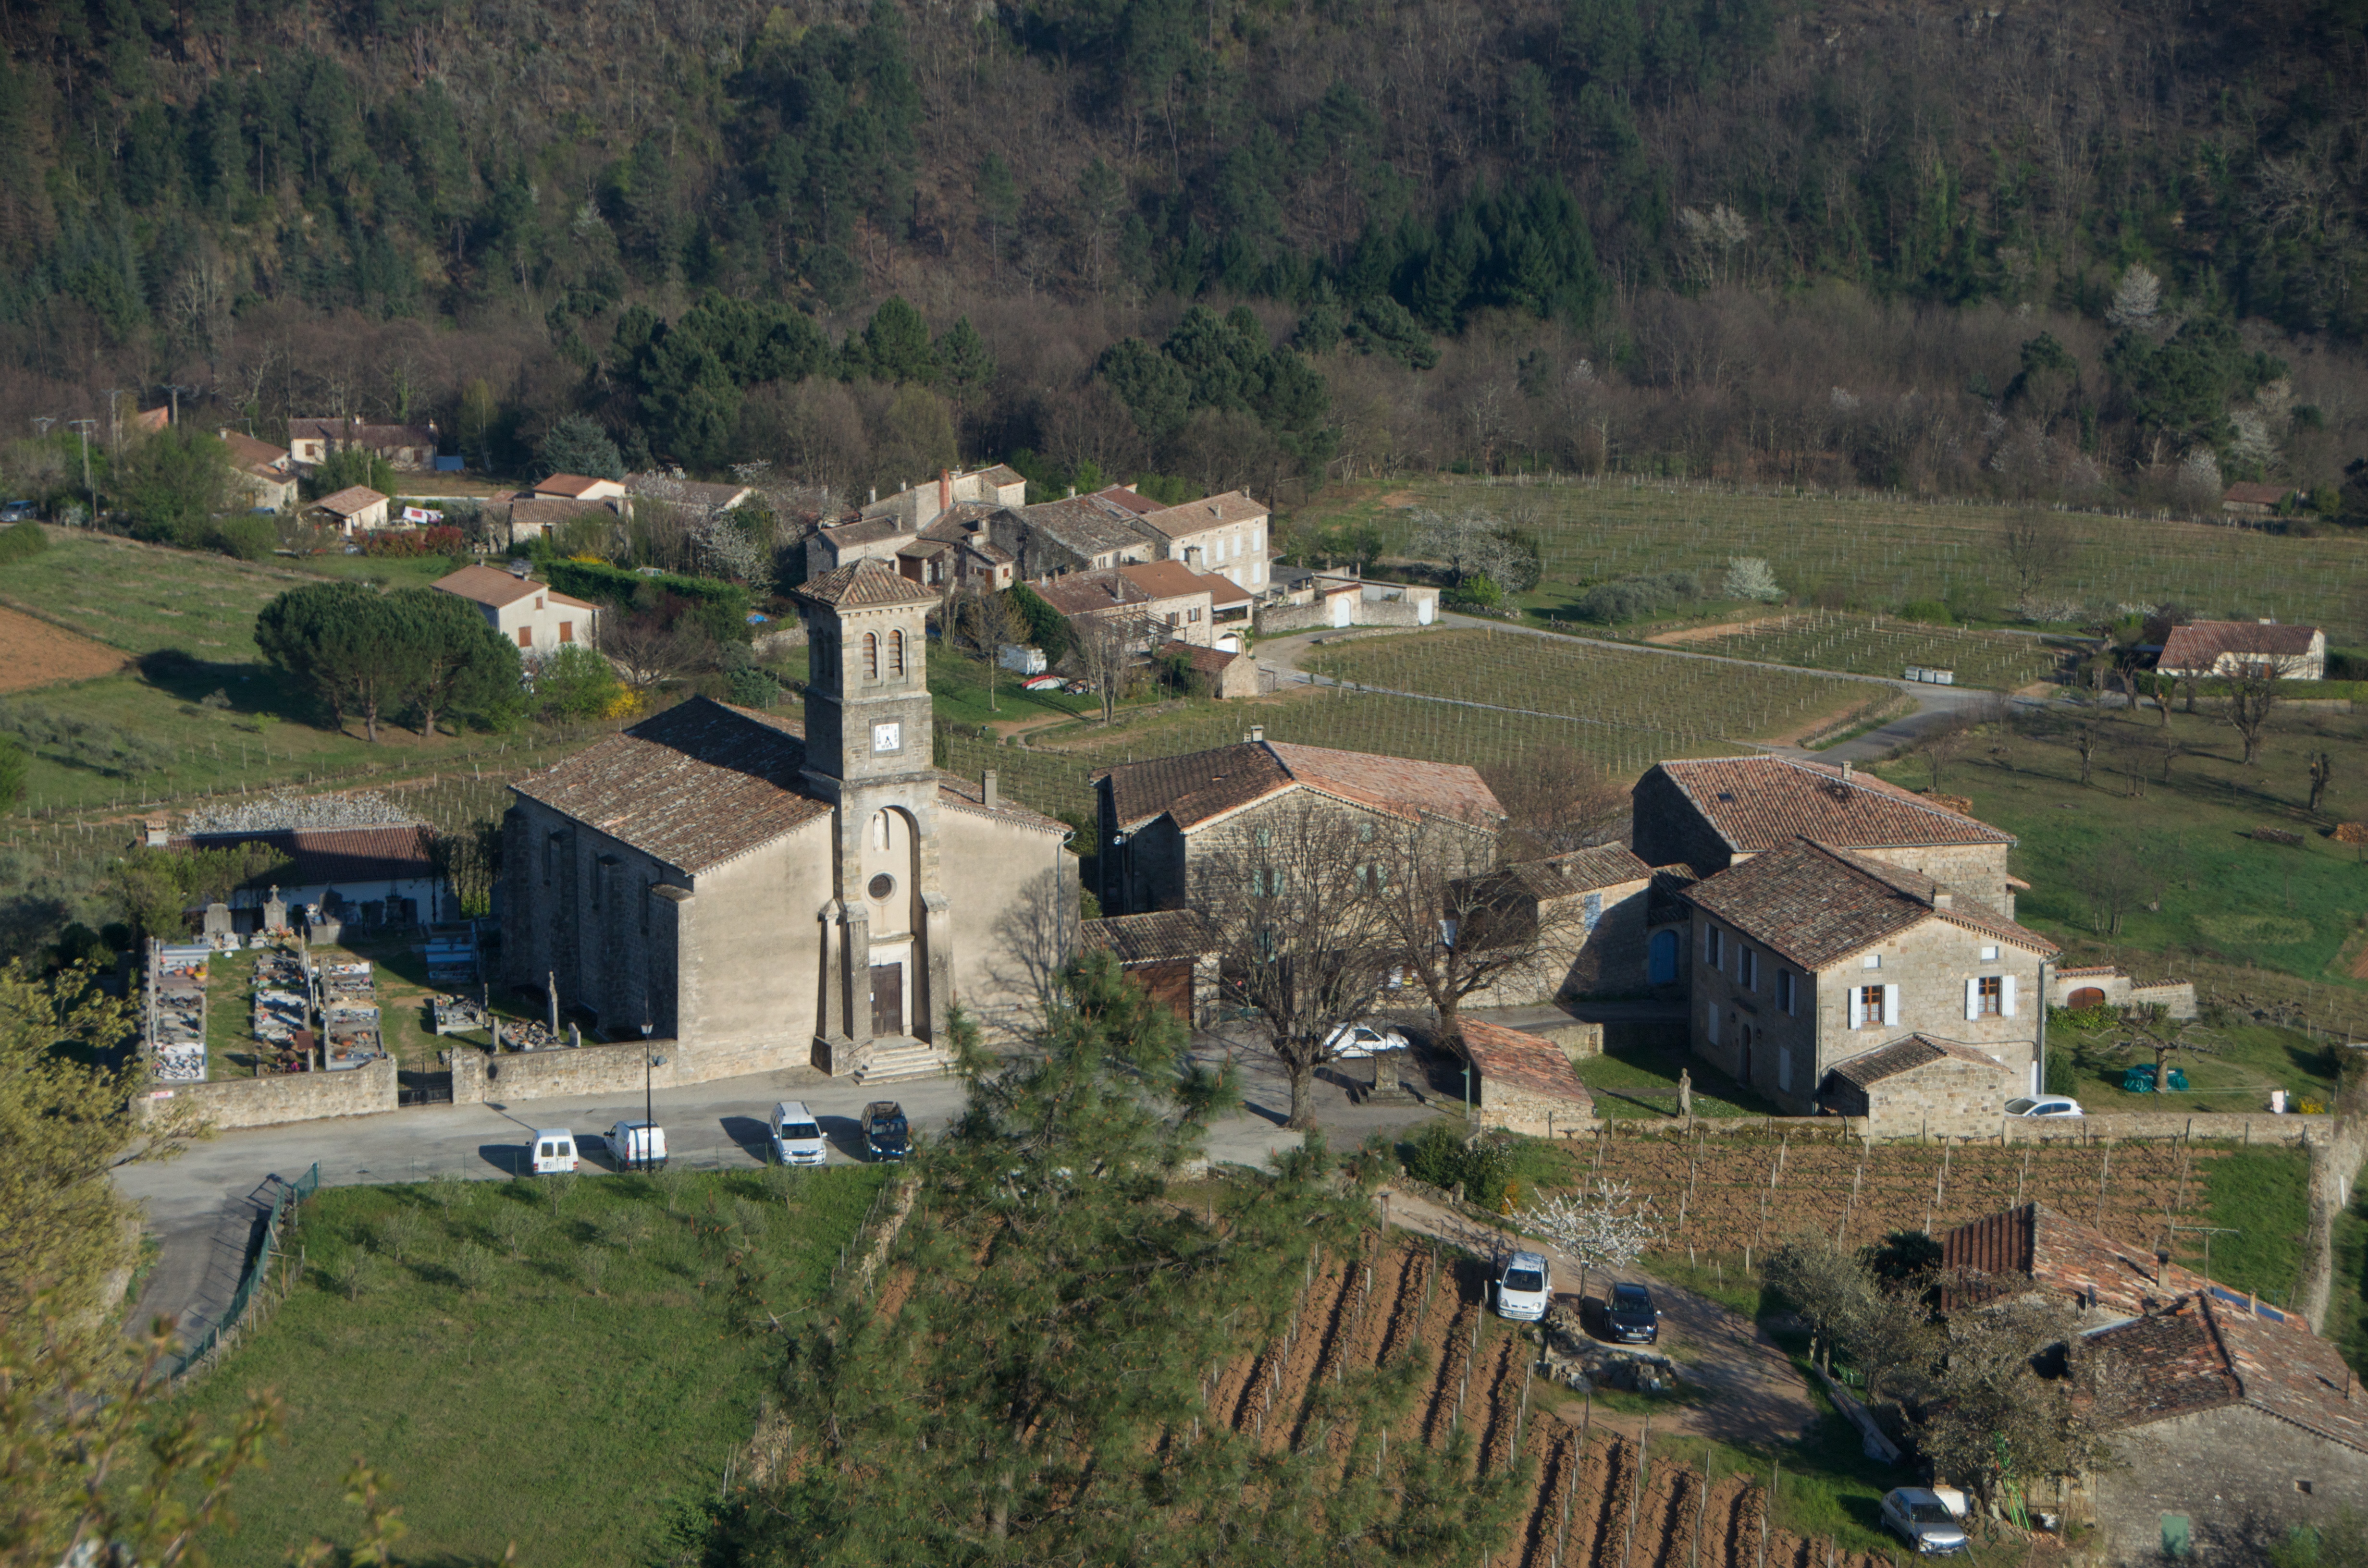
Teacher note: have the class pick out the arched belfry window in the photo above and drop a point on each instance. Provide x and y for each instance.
(896, 653)
(871, 655)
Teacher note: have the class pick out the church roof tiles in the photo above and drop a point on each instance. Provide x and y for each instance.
(864, 585)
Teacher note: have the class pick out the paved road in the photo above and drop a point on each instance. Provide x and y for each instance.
(1935, 704)
(204, 1208)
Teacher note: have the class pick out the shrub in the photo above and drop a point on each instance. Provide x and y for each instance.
(754, 688)
(1442, 1157)
(1931, 612)
(443, 539)
(1480, 591)
(2062, 1077)
(399, 544)
(24, 540)
(1750, 577)
(249, 539)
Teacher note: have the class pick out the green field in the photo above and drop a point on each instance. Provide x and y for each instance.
(1873, 646)
(1880, 552)
(2253, 1059)
(580, 1400)
(1669, 702)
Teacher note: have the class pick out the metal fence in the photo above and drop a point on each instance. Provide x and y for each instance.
(223, 1331)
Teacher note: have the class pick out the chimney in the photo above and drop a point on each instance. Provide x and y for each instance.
(1846, 772)
(987, 790)
(1257, 733)
(945, 489)
(875, 496)
(1943, 900)
(1073, 492)
(155, 832)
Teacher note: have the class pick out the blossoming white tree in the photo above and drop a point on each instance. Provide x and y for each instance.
(1607, 1228)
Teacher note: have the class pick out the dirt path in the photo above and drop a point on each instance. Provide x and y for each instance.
(1760, 1397)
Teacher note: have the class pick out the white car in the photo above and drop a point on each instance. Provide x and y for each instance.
(797, 1140)
(553, 1153)
(1524, 1287)
(1351, 1041)
(1924, 1521)
(637, 1146)
(2045, 1104)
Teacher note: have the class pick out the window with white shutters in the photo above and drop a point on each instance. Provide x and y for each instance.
(1891, 1004)
(2006, 995)
(1866, 1006)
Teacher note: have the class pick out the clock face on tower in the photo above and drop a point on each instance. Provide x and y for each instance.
(887, 738)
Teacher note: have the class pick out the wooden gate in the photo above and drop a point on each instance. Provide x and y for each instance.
(2087, 997)
(1169, 984)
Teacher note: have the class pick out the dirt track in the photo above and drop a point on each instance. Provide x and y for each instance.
(35, 653)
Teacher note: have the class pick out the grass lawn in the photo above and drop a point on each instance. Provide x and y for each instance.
(2257, 1059)
(229, 1008)
(2195, 892)
(958, 688)
(579, 1401)
(1876, 552)
(1654, 1071)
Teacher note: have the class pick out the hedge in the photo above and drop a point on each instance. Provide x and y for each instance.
(723, 607)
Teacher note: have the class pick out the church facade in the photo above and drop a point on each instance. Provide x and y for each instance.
(733, 879)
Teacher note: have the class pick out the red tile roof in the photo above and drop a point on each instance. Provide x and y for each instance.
(863, 584)
(1165, 937)
(492, 585)
(1582, 871)
(2199, 644)
(1118, 494)
(245, 448)
(1210, 512)
(352, 501)
(1906, 1055)
(329, 857)
(1522, 1061)
(1168, 579)
(2210, 1351)
(1090, 593)
(1756, 803)
(696, 786)
(1816, 904)
(569, 486)
(2244, 492)
(2034, 1246)
(1201, 786)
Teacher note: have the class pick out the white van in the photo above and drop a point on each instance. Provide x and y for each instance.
(553, 1153)
(637, 1145)
(797, 1139)
(1524, 1287)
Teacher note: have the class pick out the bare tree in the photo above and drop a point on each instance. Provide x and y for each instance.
(1106, 646)
(1556, 801)
(2037, 546)
(1609, 1228)
(1461, 926)
(2322, 774)
(2152, 1031)
(647, 649)
(2085, 735)
(1995, 1423)
(1299, 935)
(2253, 696)
(1940, 747)
(2115, 881)
(987, 618)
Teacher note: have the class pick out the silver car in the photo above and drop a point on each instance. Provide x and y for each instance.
(1923, 1521)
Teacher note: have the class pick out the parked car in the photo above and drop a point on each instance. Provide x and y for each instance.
(1041, 683)
(886, 1134)
(19, 512)
(637, 1146)
(2045, 1104)
(797, 1140)
(1352, 1042)
(1524, 1286)
(1629, 1317)
(553, 1153)
(1923, 1521)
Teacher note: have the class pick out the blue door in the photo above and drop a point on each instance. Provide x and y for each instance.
(1661, 963)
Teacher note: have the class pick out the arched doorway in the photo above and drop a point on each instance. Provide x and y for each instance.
(2087, 997)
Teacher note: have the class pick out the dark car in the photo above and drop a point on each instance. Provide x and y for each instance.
(1631, 1316)
(886, 1134)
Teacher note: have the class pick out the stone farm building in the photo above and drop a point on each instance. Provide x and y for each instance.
(383, 875)
(405, 447)
(815, 891)
(2203, 648)
(1523, 1083)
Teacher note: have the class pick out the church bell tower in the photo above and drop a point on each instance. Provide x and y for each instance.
(887, 939)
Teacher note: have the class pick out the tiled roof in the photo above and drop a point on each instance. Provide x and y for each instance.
(1202, 785)
(1906, 1055)
(1089, 526)
(245, 448)
(375, 436)
(970, 795)
(1120, 495)
(1582, 871)
(1167, 937)
(954, 524)
(2035, 1247)
(2199, 644)
(998, 476)
(569, 486)
(341, 858)
(2245, 492)
(1815, 904)
(869, 530)
(489, 585)
(1522, 1061)
(1209, 661)
(551, 512)
(2210, 1351)
(1210, 512)
(353, 500)
(862, 584)
(1168, 579)
(1089, 593)
(1756, 803)
(1665, 900)
(1225, 591)
(696, 786)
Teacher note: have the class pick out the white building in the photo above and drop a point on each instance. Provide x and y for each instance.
(535, 616)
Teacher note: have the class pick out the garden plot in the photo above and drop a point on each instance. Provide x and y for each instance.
(1871, 645)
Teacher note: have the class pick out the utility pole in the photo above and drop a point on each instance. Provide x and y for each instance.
(85, 427)
(175, 392)
(114, 423)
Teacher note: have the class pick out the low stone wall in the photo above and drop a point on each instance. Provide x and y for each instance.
(2234, 1127)
(279, 1097)
(613, 1069)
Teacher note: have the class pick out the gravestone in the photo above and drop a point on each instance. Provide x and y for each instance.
(218, 922)
(274, 912)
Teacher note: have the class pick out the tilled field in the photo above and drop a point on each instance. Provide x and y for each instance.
(1398, 1298)
(1723, 1195)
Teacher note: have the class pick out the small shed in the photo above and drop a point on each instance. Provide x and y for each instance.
(1523, 1083)
(353, 510)
(1171, 953)
(1226, 673)
(1919, 1082)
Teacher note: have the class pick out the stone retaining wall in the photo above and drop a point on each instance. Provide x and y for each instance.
(229, 1103)
(612, 1069)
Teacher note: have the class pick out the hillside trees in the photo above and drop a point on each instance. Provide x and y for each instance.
(364, 654)
(171, 484)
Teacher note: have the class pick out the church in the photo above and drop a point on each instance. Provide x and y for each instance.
(735, 881)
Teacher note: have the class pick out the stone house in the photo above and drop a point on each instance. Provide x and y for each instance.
(1171, 953)
(740, 879)
(383, 875)
(1224, 534)
(1080, 533)
(1221, 672)
(1160, 820)
(1807, 956)
(2203, 648)
(535, 616)
(1714, 813)
(2246, 499)
(533, 519)
(2228, 1427)
(2033, 1252)
(355, 509)
(918, 505)
(406, 446)
(1304, 600)
(1593, 902)
(1524, 1084)
(261, 471)
(2105, 985)
(1167, 602)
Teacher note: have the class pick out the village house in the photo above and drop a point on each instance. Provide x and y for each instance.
(1524, 1083)
(1821, 974)
(534, 519)
(2251, 500)
(1163, 601)
(918, 505)
(261, 471)
(1171, 953)
(383, 875)
(1219, 672)
(1714, 813)
(792, 893)
(1080, 533)
(579, 487)
(2208, 648)
(406, 446)
(1161, 821)
(1593, 907)
(539, 618)
(355, 509)
(1225, 534)
(972, 562)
